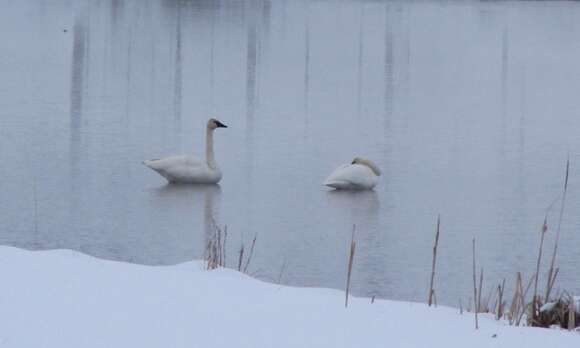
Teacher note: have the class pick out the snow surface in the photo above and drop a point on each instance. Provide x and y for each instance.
(67, 299)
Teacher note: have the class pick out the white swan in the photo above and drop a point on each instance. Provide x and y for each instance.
(360, 174)
(186, 169)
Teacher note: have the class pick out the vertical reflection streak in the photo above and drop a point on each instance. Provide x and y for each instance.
(251, 62)
(388, 66)
(79, 68)
(212, 60)
(78, 72)
(178, 78)
(360, 62)
(307, 62)
(504, 89)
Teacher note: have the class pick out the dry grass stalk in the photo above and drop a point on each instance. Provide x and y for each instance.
(572, 315)
(551, 282)
(250, 254)
(215, 248)
(350, 261)
(551, 270)
(479, 309)
(243, 266)
(518, 306)
(431, 290)
(460, 307)
(515, 305)
(241, 257)
(35, 196)
(219, 247)
(484, 306)
(542, 236)
(500, 303)
(224, 245)
(475, 304)
(282, 269)
(524, 295)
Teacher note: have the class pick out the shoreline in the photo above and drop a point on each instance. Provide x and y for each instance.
(62, 298)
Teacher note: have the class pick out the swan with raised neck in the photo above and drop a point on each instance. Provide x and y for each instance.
(187, 169)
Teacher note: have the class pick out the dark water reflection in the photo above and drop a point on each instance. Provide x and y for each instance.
(469, 108)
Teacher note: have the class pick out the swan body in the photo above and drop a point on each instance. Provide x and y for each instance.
(185, 169)
(360, 174)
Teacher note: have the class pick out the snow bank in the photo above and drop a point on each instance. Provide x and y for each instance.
(66, 299)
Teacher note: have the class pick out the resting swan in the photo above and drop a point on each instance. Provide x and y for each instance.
(186, 169)
(360, 174)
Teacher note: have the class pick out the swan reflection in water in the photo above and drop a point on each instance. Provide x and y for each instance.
(184, 207)
(361, 208)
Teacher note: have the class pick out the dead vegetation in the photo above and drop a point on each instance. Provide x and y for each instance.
(561, 310)
(541, 311)
(216, 251)
(431, 287)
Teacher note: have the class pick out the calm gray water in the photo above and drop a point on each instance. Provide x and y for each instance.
(470, 108)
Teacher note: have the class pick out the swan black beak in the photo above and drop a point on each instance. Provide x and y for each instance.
(220, 125)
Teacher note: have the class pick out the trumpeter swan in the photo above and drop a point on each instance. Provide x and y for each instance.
(188, 169)
(360, 174)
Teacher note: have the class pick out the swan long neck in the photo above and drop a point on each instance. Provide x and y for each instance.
(209, 157)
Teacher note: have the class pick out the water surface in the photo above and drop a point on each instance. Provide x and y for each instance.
(470, 108)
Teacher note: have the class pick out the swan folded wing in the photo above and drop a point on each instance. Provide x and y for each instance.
(177, 168)
(167, 162)
(351, 176)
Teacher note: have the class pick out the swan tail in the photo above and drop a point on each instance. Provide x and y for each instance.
(151, 163)
(336, 184)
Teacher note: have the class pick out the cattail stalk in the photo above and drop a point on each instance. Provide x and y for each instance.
(350, 261)
(431, 290)
(479, 291)
(543, 234)
(475, 304)
(553, 260)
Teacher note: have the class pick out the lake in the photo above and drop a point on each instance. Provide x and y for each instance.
(470, 109)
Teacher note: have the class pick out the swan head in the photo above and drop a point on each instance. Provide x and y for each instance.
(368, 163)
(212, 123)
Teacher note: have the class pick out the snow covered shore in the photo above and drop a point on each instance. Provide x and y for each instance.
(66, 299)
